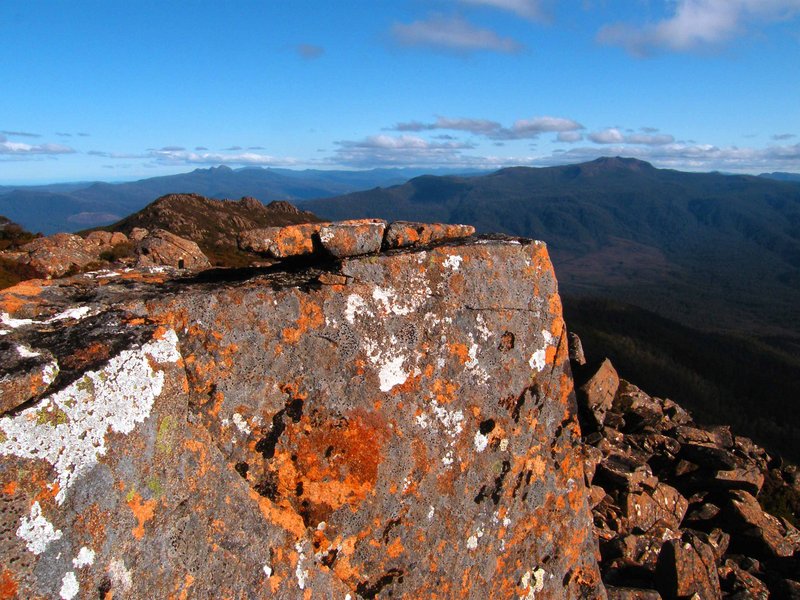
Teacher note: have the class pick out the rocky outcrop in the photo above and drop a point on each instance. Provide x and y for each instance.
(346, 238)
(394, 425)
(162, 248)
(675, 503)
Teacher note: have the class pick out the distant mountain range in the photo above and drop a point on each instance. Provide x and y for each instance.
(707, 249)
(75, 206)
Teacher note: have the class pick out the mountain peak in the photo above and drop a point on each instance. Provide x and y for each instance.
(616, 163)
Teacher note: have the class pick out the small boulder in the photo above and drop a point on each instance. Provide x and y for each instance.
(597, 395)
(352, 238)
(138, 234)
(576, 354)
(753, 529)
(162, 248)
(687, 568)
(281, 242)
(58, 255)
(401, 234)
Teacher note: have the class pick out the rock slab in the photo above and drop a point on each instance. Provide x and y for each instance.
(407, 429)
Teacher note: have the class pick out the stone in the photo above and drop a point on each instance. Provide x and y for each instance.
(708, 456)
(628, 593)
(410, 434)
(26, 373)
(138, 234)
(738, 583)
(105, 240)
(57, 255)
(576, 354)
(687, 567)
(663, 505)
(753, 529)
(597, 395)
(162, 248)
(401, 234)
(282, 242)
(749, 479)
(352, 238)
(621, 471)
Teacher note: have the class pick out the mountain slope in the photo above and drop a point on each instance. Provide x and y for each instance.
(72, 206)
(213, 224)
(707, 249)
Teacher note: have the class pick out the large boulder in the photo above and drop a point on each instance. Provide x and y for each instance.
(406, 430)
(162, 248)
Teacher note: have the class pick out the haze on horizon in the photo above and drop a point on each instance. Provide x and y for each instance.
(110, 90)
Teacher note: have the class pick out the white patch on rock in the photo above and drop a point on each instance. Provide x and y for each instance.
(36, 531)
(300, 573)
(356, 306)
(481, 441)
(482, 328)
(451, 419)
(241, 424)
(472, 542)
(68, 428)
(535, 586)
(447, 459)
(71, 313)
(8, 321)
(120, 576)
(26, 352)
(84, 559)
(431, 512)
(50, 372)
(503, 444)
(69, 586)
(453, 262)
(268, 571)
(537, 360)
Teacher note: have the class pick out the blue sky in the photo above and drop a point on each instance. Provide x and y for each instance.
(114, 89)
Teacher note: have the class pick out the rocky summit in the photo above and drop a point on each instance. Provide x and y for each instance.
(396, 424)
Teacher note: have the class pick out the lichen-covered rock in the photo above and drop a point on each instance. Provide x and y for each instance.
(25, 374)
(57, 255)
(281, 242)
(401, 234)
(687, 568)
(407, 429)
(598, 393)
(352, 238)
(162, 248)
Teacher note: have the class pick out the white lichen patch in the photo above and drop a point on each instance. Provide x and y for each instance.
(480, 441)
(299, 571)
(482, 328)
(68, 428)
(8, 321)
(85, 558)
(36, 531)
(267, 571)
(538, 359)
(26, 352)
(356, 307)
(533, 581)
(453, 262)
(69, 586)
(241, 424)
(49, 372)
(120, 576)
(472, 541)
(451, 420)
(431, 512)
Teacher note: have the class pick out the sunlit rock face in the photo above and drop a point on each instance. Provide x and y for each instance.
(390, 425)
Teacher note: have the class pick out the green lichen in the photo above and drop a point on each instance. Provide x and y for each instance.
(85, 384)
(52, 416)
(3, 436)
(164, 434)
(155, 486)
(131, 495)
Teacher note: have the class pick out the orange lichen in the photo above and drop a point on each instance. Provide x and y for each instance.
(395, 549)
(10, 488)
(143, 511)
(460, 351)
(22, 294)
(8, 585)
(311, 317)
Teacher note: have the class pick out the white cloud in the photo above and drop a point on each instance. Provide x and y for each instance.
(697, 24)
(521, 129)
(528, 9)
(185, 157)
(783, 136)
(20, 149)
(569, 136)
(613, 135)
(692, 157)
(452, 34)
